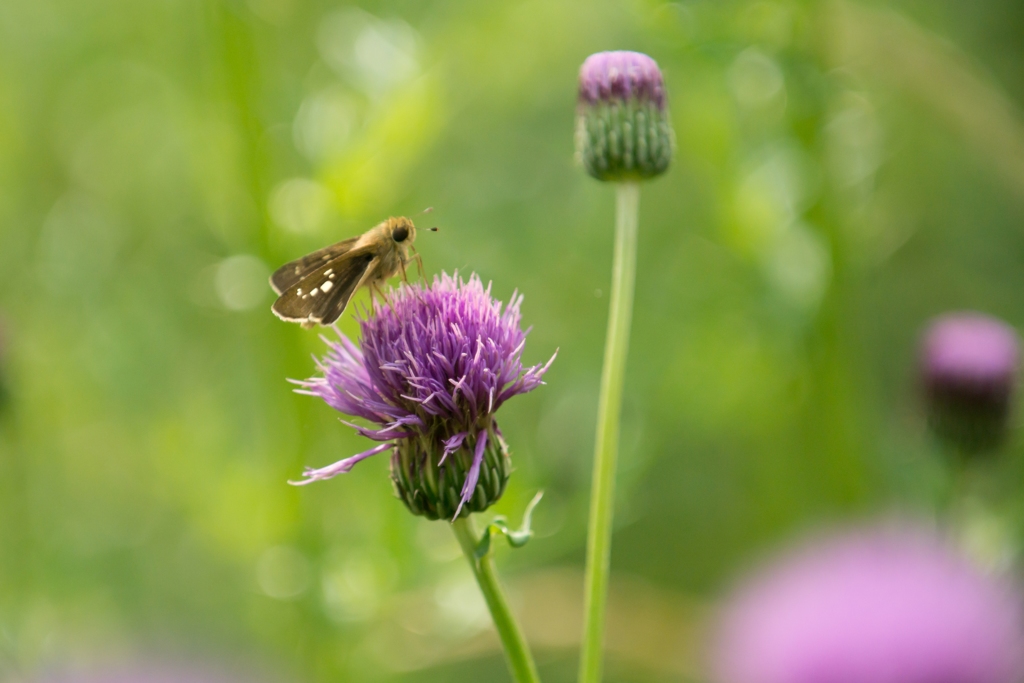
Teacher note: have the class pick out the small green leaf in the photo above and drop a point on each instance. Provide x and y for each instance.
(516, 538)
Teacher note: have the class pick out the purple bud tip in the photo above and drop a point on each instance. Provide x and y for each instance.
(968, 371)
(621, 75)
(971, 349)
(891, 605)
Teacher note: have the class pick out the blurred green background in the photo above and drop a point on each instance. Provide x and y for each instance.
(844, 171)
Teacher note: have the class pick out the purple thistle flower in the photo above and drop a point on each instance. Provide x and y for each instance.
(882, 606)
(968, 372)
(436, 363)
(622, 126)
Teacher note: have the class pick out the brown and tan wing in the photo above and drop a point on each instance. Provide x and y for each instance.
(322, 295)
(289, 275)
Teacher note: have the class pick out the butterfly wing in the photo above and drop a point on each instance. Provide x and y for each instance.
(290, 274)
(322, 295)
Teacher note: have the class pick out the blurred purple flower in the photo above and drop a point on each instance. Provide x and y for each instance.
(882, 606)
(436, 363)
(968, 372)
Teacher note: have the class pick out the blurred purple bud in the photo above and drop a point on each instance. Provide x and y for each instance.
(889, 605)
(968, 373)
(622, 127)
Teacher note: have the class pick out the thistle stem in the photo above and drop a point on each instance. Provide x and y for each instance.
(517, 651)
(606, 449)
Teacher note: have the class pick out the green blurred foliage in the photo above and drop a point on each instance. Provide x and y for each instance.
(844, 172)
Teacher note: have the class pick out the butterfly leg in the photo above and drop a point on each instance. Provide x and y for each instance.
(375, 289)
(419, 261)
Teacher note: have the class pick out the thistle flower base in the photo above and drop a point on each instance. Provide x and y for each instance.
(624, 141)
(970, 428)
(433, 489)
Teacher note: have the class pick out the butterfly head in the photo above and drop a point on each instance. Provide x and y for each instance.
(401, 230)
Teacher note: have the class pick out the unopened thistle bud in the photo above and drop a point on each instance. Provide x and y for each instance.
(623, 130)
(435, 365)
(968, 372)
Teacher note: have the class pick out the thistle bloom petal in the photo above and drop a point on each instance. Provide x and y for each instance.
(473, 476)
(435, 365)
(623, 130)
(968, 372)
(453, 444)
(340, 467)
(886, 606)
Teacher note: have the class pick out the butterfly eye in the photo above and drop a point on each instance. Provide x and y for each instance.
(400, 234)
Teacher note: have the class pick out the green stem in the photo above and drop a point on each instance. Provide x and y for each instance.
(957, 487)
(963, 492)
(517, 652)
(606, 449)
